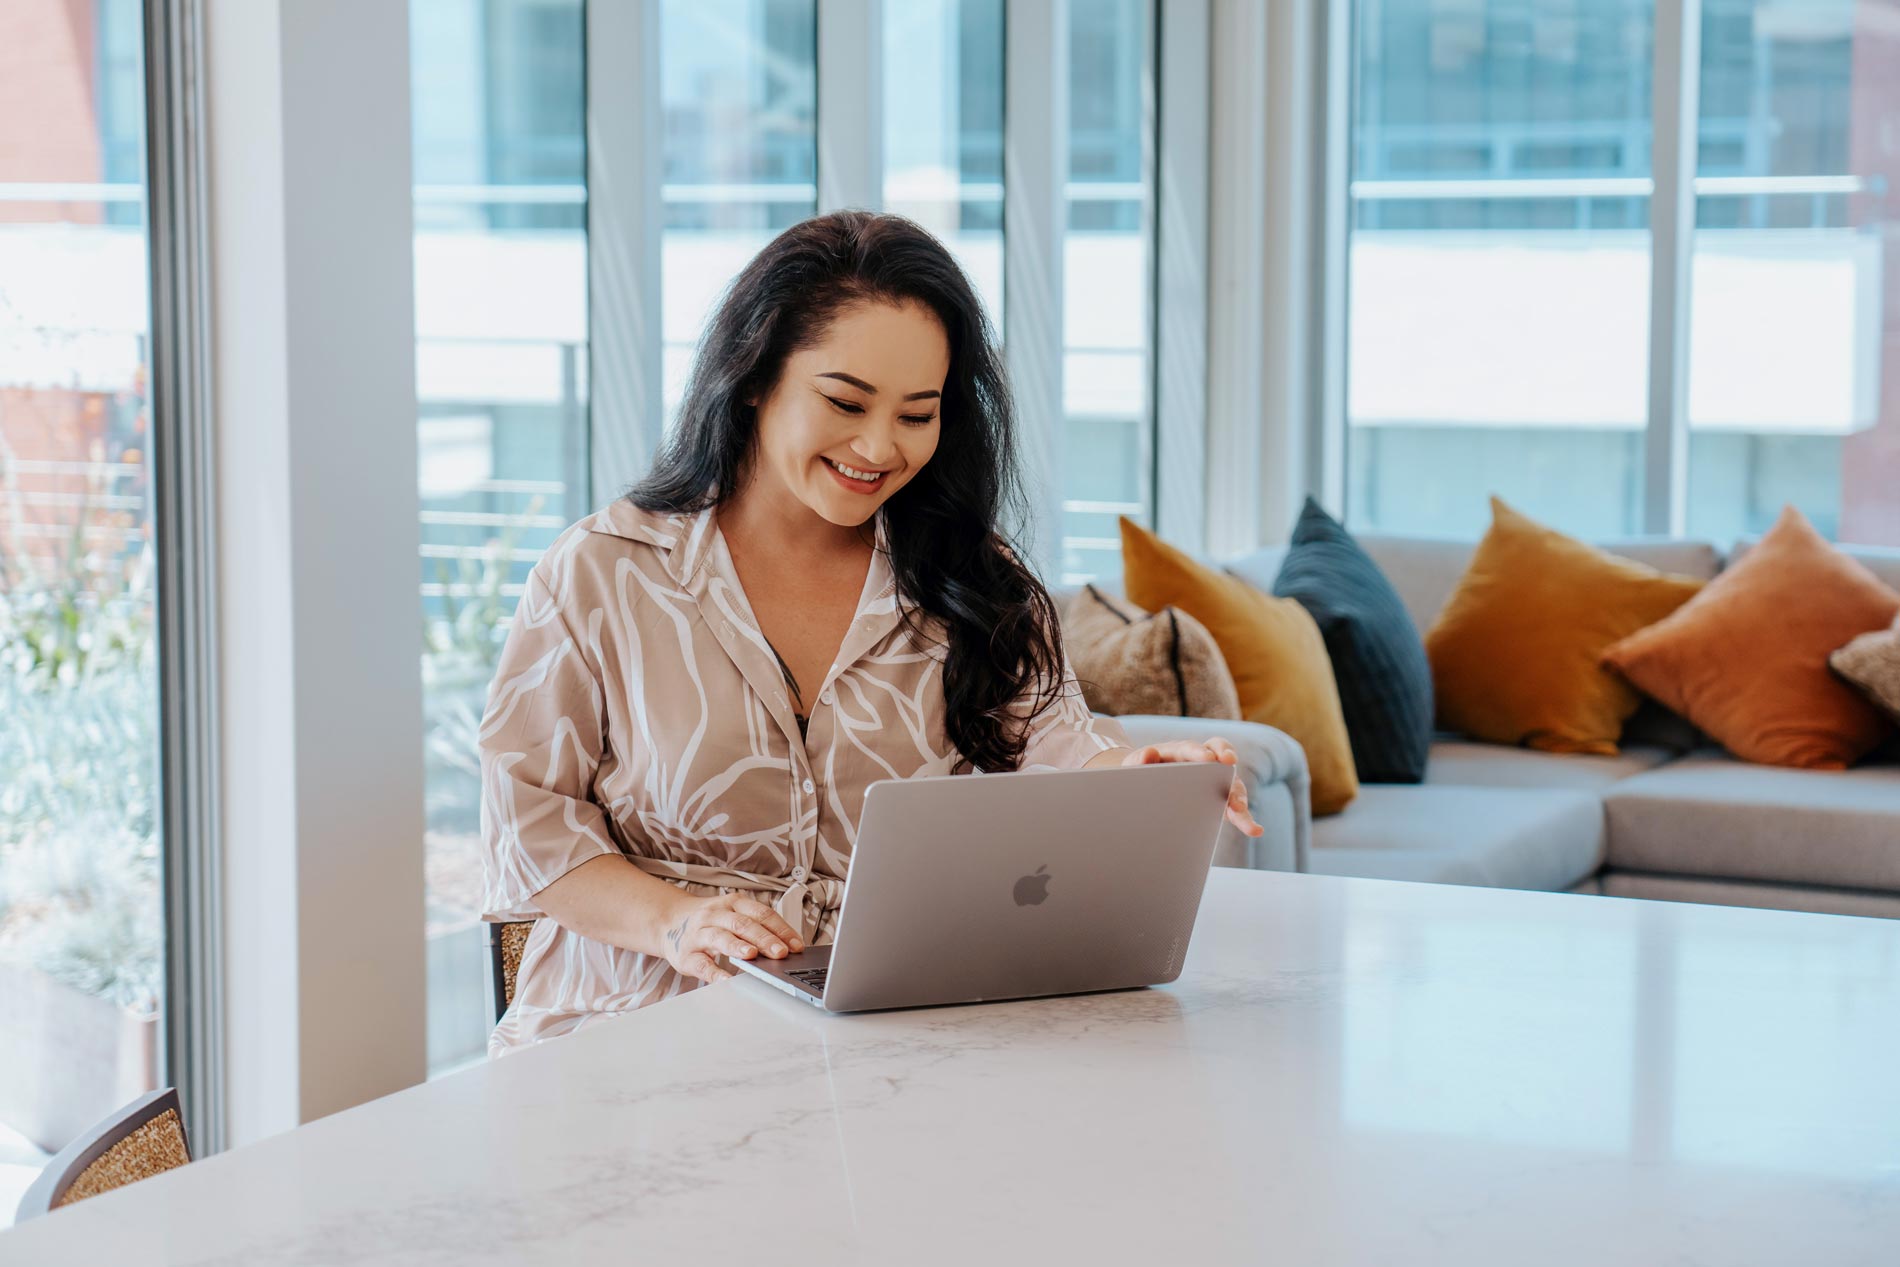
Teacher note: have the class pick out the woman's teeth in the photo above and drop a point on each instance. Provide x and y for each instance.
(866, 477)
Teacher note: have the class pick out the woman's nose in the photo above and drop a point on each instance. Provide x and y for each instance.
(876, 443)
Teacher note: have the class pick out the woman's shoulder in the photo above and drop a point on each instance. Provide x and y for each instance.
(584, 558)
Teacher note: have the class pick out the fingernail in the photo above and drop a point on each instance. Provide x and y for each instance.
(797, 944)
(777, 949)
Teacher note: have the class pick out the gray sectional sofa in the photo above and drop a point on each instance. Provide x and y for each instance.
(1673, 817)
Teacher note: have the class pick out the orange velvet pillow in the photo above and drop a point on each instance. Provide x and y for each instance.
(1515, 651)
(1278, 657)
(1746, 659)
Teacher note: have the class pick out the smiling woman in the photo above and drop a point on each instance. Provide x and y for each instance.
(810, 592)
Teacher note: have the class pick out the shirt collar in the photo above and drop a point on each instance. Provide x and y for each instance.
(685, 541)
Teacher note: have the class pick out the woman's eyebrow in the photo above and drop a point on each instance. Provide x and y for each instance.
(863, 386)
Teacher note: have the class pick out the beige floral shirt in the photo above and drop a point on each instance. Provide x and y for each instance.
(638, 710)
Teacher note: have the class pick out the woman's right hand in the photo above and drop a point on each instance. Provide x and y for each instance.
(730, 924)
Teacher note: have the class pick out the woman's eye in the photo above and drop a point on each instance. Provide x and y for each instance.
(920, 420)
(845, 406)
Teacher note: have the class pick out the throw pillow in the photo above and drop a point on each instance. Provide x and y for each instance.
(1132, 661)
(1272, 646)
(1385, 681)
(1515, 653)
(1746, 660)
(1872, 663)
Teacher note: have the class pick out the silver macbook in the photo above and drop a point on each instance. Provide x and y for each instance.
(1009, 886)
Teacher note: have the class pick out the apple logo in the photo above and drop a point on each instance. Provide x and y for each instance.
(1032, 889)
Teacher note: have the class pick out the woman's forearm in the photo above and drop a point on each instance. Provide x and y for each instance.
(608, 899)
(1113, 756)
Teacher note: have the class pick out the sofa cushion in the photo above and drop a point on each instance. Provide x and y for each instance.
(1871, 662)
(1746, 659)
(1466, 763)
(1711, 815)
(1507, 838)
(1271, 645)
(1131, 661)
(1515, 651)
(1385, 682)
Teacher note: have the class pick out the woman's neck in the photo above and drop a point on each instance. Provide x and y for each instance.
(772, 523)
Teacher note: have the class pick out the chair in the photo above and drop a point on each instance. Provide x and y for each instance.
(505, 944)
(145, 1138)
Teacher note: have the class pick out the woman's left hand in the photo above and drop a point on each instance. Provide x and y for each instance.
(1213, 750)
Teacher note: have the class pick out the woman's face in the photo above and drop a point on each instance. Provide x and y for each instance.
(855, 416)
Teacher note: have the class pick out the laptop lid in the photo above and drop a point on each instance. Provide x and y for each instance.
(998, 886)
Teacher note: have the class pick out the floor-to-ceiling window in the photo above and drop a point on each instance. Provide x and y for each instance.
(1499, 262)
(81, 915)
(501, 385)
(1107, 341)
(739, 107)
(943, 130)
(1501, 286)
(1792, 272)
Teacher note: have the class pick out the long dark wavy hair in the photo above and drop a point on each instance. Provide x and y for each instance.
(946, 527)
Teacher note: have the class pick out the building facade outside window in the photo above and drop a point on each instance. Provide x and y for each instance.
(82, 937)
(1498, 322)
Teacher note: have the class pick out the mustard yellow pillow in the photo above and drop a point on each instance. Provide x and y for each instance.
(1272, 646)
(1515, 653)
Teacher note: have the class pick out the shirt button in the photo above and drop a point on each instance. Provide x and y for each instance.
(798, 873)
(810, 787)
(825, 695)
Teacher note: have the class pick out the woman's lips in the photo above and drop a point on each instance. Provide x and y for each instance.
(855, 485)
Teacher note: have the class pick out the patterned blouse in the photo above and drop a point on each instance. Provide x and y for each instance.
(637, 709)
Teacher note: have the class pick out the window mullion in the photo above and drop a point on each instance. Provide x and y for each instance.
(185, 515)
(1674, 105)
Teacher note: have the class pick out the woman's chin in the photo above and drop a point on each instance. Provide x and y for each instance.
(847, 510)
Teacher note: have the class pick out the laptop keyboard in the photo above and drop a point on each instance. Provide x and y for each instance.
(812, 979)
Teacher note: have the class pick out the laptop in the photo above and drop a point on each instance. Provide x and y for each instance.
(968, 889)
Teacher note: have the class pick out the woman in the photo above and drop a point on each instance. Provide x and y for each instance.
(809, 592)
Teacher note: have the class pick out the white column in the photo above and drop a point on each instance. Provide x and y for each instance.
(1181, 277)
(1677, 80)
(314, 377)
(1035, 220)
(625, 218)
(850, 98)
(1237, 305)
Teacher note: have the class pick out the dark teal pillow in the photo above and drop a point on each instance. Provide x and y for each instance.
(1385, 681)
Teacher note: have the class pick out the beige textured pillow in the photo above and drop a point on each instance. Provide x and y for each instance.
(1872, 663)
(1132, 661)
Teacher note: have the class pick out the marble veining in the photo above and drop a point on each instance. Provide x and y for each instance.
(1348, 1072)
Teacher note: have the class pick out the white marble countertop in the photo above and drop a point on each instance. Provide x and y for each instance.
(1349, 1071)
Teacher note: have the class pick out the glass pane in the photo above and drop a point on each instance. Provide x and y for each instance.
(1499, 261)
(1108, 415)
(81, 924)
(739, 92)
(501, 384)
(1791, 335)
(943, 130)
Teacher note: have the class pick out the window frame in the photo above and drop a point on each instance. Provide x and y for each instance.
(1673, 189)
(184, 515)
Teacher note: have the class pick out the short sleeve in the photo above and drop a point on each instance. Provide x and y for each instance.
(1065, 735)
(541, 740)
